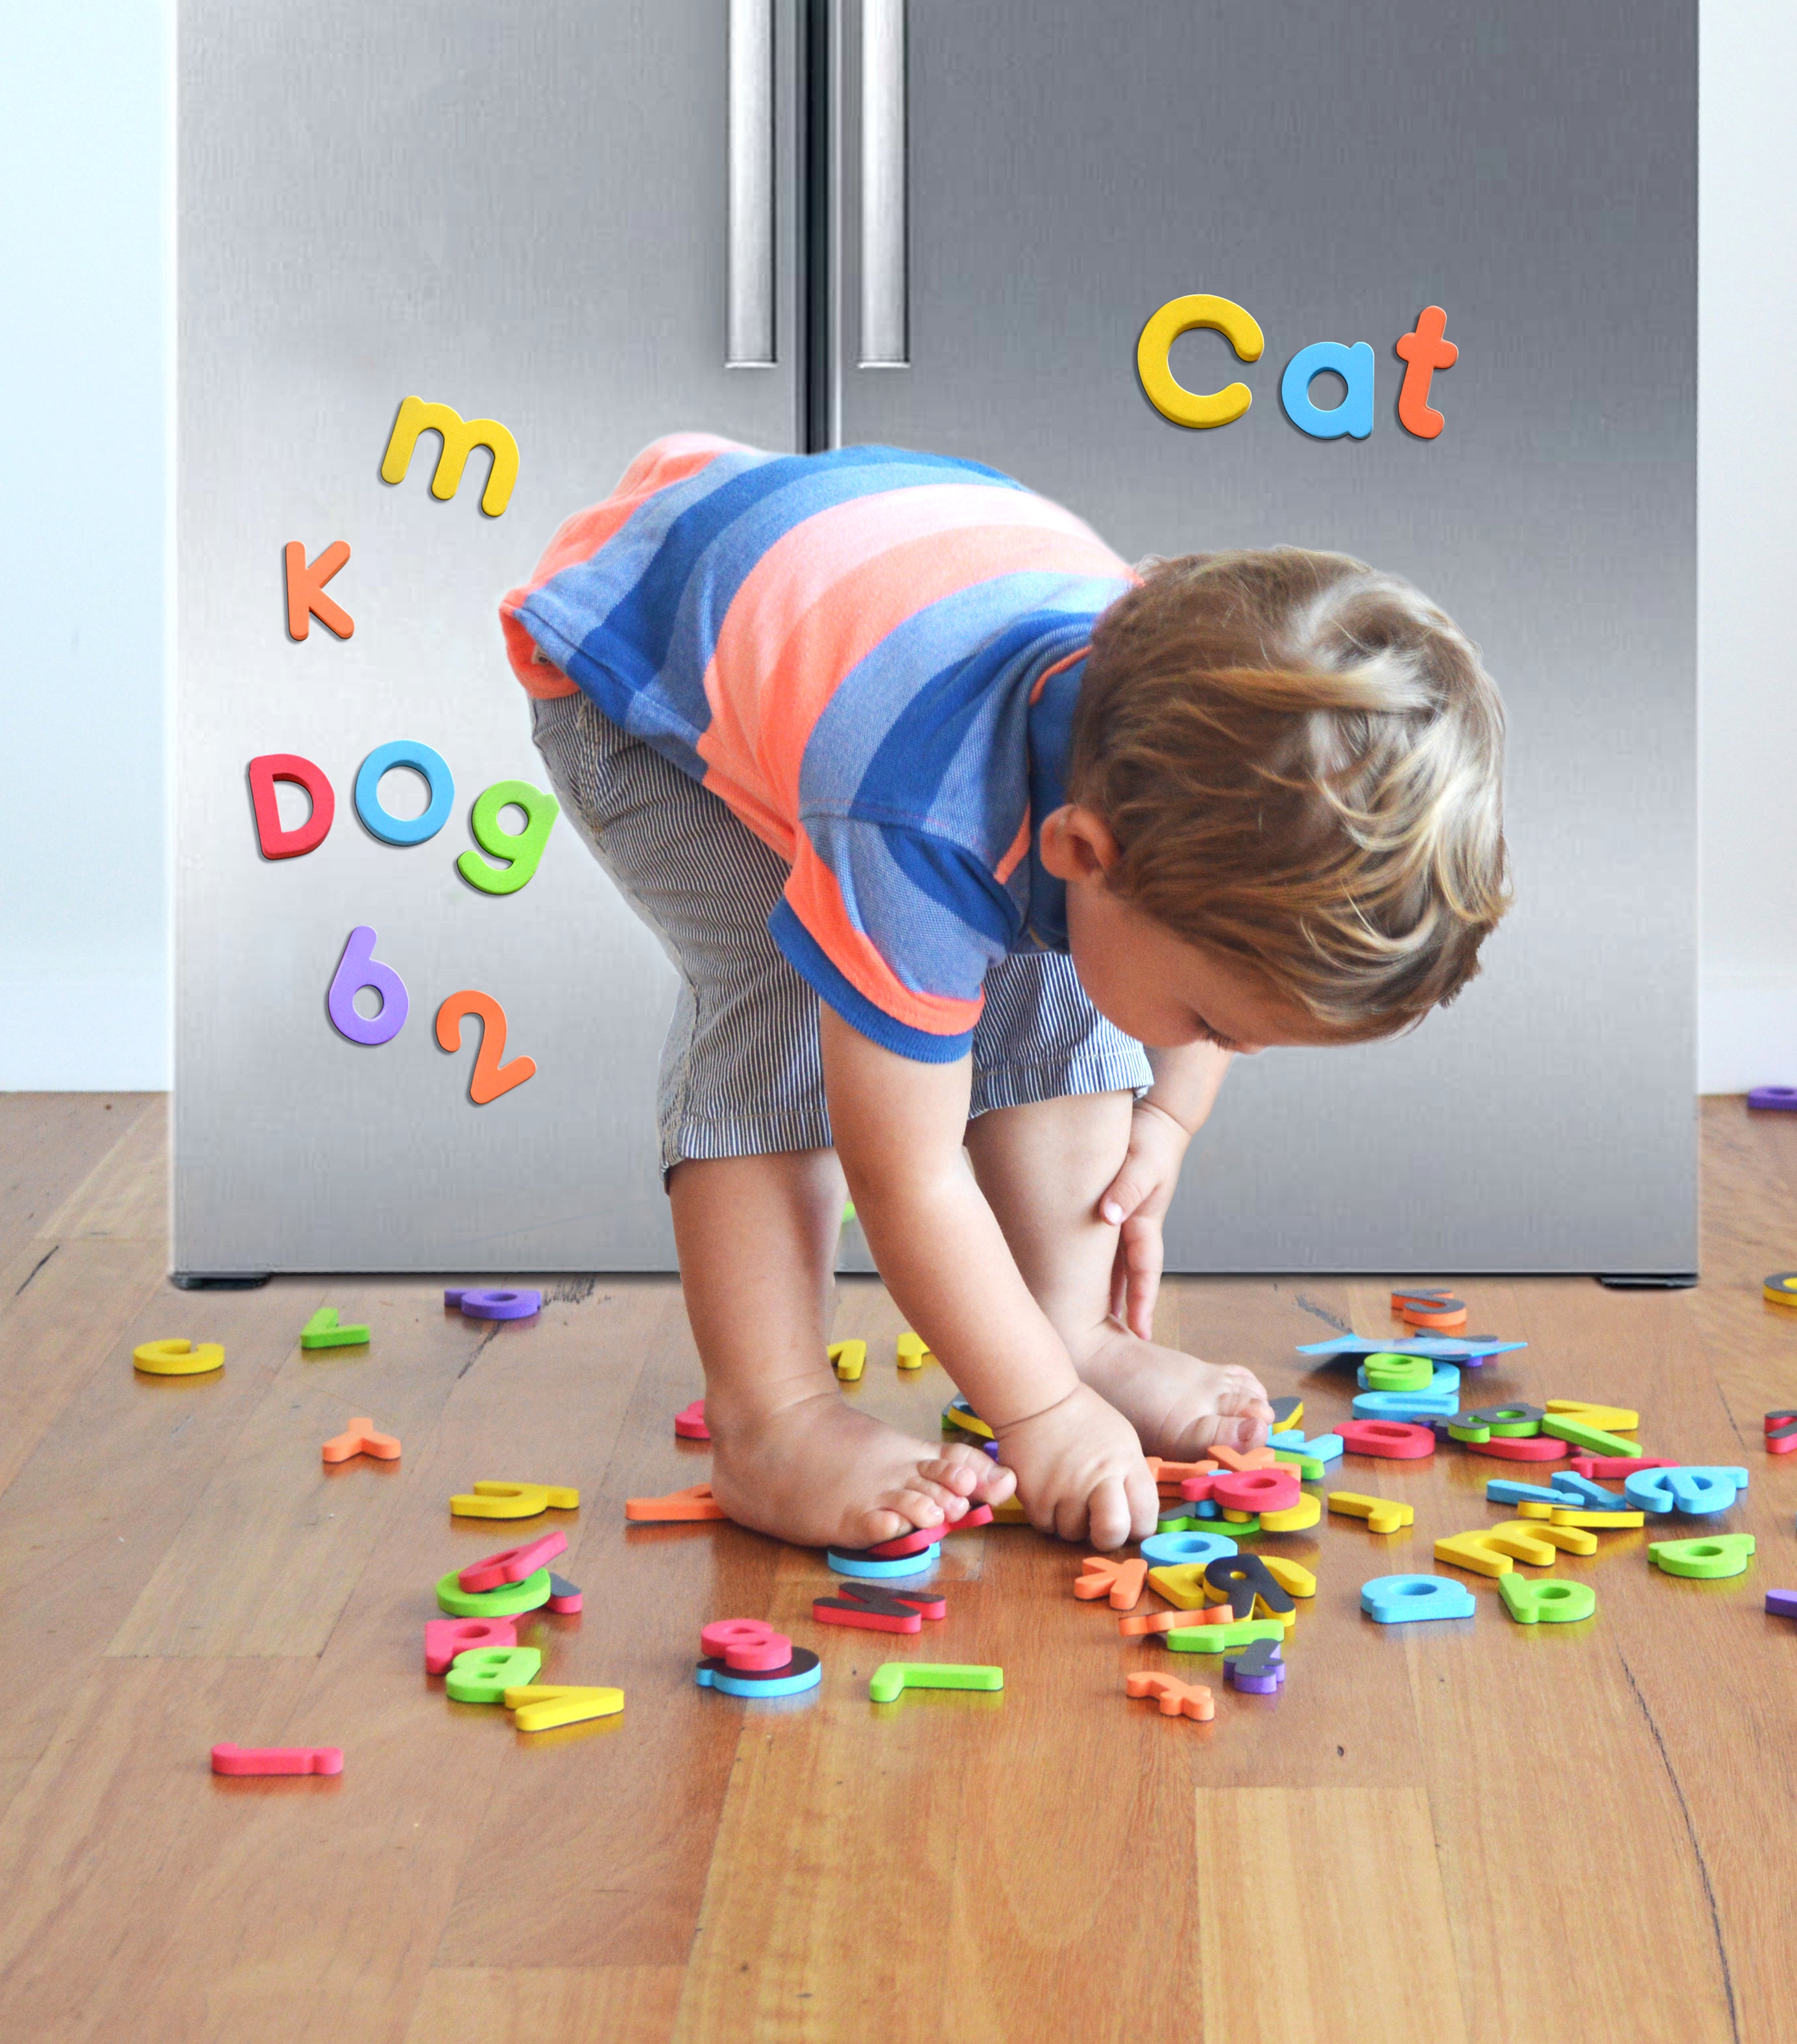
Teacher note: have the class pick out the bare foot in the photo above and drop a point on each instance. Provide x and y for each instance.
(819, 1473)
(1179, 1406)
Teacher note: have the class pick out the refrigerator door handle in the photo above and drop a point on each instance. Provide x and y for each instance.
(749, 344)
(885, 338)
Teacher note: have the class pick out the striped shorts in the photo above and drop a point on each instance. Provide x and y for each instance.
(742, 1074)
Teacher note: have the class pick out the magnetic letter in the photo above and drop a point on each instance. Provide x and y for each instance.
(459, 436)
(1177, 1550)
(1244, 1581)
(445, 1638)
(276, 1760)
(1422, 351)
(409, 830)
(1172, 400)
(266, 769)
(1399, 1599)
(305, 589)
(1559, 1603)
(524, 848)
(893, 1677)
(1259, 1669)
(542, 1706)
(356, 969)
(1355, 366)
(1176, 1699)
(483, 1674)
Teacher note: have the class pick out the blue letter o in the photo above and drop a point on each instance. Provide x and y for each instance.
(410, 830)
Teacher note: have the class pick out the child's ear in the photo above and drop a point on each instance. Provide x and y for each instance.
(1076, 843)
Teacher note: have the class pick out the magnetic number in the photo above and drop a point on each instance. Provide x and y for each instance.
(489, 1078)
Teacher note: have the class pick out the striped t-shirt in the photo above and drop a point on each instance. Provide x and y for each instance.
(873, 656)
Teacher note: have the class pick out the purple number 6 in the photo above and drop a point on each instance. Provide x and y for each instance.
(356, 969)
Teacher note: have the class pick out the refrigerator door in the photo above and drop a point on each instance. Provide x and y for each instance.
(1039, 181)
(567, 218)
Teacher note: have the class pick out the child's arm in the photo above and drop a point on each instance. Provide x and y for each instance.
(1165, 1119)
(899, 1126)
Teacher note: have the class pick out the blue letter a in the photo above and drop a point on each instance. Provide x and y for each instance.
(1354, 414)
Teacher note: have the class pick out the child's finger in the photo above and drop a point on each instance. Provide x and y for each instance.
(1144, 1503)
(1126, 1192)
(1143, 1254)
(1109, 1516)
(995, 1482)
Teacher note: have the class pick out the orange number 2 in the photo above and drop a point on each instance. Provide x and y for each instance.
(489, 1078)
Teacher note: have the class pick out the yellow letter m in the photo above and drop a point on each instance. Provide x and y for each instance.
(460, 435)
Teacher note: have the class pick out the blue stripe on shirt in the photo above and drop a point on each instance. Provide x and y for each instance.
(802, 952)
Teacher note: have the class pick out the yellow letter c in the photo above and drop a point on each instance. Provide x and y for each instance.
(1172, 400)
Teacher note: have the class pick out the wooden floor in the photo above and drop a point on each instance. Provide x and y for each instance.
(1464, 1831)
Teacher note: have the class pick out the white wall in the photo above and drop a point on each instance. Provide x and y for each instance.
(1747, 526)
(83, 872)
(83, 938)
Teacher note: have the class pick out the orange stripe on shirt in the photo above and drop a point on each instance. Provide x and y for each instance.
(671, 458)
(821, 598)
(817, 901)
(1015, 851)
(1048, 674)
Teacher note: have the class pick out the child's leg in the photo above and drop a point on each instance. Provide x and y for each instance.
(758, 1242)
(1043, 1169)
(757, 1211)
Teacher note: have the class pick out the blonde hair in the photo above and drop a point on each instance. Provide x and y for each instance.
(1301, 759)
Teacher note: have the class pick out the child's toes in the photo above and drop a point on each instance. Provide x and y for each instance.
(881, 1523)
(975, 1476)
(1234, 1381)
(919, 1507)
(954, 1470)
(950, 1498)
(1225, 1431)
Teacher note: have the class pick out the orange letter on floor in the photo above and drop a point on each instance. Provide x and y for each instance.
(1178, 1699)
(694, 1502)
(1121, 1581)
(360, 1439)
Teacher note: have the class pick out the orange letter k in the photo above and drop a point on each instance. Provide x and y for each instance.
(305, 589)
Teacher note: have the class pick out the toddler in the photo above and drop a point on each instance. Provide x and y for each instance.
(979, 854)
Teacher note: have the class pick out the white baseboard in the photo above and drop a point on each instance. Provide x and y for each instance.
(1746, 1036)
(84, 1032)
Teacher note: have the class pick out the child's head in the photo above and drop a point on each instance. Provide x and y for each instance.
(1285, 807)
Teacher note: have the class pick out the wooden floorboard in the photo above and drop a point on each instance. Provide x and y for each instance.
(1475, 1833)
(1343, 1888)
(50, 1145)
(524, 2005)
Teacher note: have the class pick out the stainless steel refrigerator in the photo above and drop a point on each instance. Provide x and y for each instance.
(940, 226)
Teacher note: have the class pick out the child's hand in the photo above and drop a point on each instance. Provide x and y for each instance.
(1133, 1202)
(1080, 1472)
